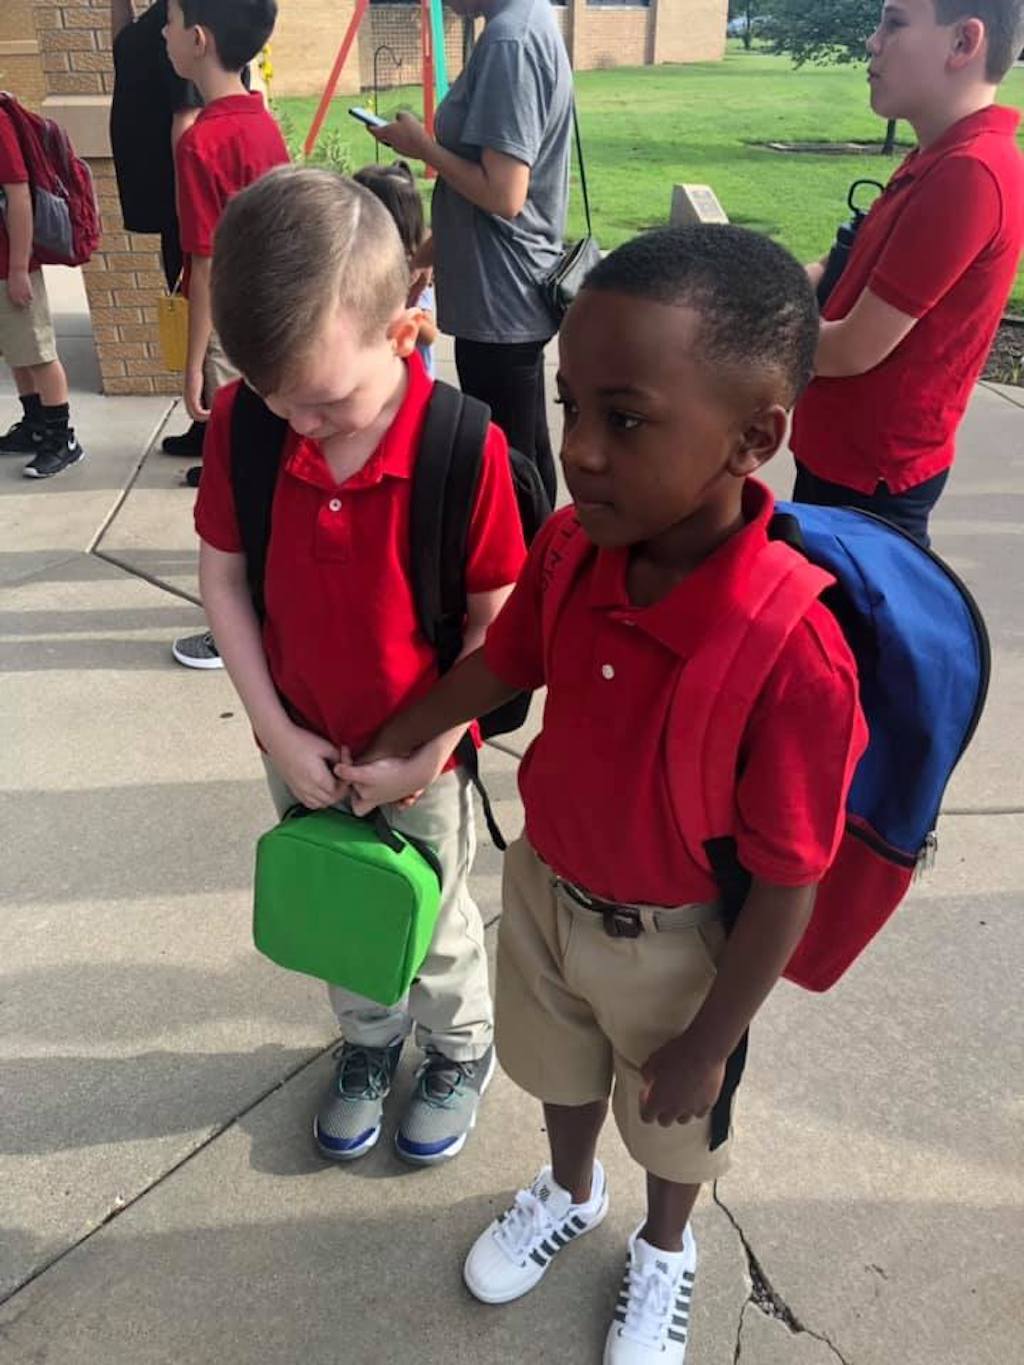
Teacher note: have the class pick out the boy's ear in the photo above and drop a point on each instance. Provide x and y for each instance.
(403, 332)
(968, 42)
(759, 440)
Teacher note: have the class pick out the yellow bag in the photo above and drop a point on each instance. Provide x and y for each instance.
(172, 319)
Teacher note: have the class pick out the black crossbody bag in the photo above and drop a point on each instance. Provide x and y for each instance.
(578, 259)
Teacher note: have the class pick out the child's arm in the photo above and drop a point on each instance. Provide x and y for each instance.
(685, 1075)
(121, 15)
(413, 748)
(200, 329)
(19, 235)
(428, 329)
(303, 759)
(871, 330)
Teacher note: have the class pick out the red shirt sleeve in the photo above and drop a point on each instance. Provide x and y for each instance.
(496, 550)
(514, 648)
(13, 170)
(215, 518)
(950, 218)
(803, 742)
(200, 200)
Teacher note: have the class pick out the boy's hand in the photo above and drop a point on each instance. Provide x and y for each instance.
(389, 781)
(304, 761)
(681, 1083)
(19, 288)
(193, 394)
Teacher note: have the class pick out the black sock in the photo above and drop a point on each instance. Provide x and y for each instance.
(58, 417)
(33, 406)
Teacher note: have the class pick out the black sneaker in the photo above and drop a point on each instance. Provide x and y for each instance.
(21, 439)
(192, 476)
(189, 445)
(57, 451)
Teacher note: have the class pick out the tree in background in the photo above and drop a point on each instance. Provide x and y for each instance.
(744, 9)
(825, 31)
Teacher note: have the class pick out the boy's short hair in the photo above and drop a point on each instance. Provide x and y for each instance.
(757, 308)
(1003, 23)
(290, 248)
(240, 28)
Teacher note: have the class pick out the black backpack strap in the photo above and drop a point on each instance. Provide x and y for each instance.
(444, 492)
(257, 444)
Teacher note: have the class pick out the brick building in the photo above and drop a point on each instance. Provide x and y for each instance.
(598, 34)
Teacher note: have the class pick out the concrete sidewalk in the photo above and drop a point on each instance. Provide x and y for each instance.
(160, 1200)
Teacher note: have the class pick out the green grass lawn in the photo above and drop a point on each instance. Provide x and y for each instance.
(647, 128)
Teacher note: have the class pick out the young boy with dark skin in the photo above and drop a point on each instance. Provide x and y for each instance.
(678, 362)
(908, 327)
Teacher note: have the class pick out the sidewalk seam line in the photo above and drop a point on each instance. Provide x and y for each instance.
(141, 1194)
(155, 582)
(122, 497)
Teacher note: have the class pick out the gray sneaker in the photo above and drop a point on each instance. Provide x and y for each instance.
(197, 651)
(442, 1111)
(348, 1122)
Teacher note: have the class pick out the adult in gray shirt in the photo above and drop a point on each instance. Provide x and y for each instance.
(502, 156)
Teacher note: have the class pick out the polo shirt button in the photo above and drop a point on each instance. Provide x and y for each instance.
(607, 671)
(335, 504)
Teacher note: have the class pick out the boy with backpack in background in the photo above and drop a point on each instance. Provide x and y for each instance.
(907, 328)
(233, 141)
(678, 363)
(317, 618)
(27, 342)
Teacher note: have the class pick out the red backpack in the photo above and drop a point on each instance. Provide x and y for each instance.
(66, 218)
(922, 659)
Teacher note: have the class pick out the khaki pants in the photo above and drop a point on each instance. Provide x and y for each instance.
(579, 1013)
(26, 334)
(449, 1003)
(217, 369)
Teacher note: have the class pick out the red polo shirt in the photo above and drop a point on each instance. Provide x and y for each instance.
(341, 635)
(595, 783)
(13, 171)
(942, 245)
(233, 142)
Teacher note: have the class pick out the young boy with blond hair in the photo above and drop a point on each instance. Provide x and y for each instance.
(336, 649)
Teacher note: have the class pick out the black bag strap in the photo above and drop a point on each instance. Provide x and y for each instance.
(444, 493)
(257, 444)
(583, 168)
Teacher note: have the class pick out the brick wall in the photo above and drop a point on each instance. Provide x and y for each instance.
(124, 279)
(309, 33)
(689, 30)
(605, 36)
(305, 43)
(21, 63)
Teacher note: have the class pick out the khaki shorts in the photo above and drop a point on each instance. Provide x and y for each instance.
(26, 334)
(578, 1012)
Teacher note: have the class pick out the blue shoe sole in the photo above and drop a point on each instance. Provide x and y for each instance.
(346, 1153)
(415, 1158)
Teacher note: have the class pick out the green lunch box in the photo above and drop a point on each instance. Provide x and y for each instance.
(345, 899)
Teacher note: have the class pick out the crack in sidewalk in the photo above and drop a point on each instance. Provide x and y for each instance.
(764, 1297)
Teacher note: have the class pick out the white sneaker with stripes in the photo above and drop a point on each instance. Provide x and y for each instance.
(652, 1317)
(513, 1253)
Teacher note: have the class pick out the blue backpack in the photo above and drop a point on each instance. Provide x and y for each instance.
(922, 656)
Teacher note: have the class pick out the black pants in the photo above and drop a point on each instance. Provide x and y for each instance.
(510, 380)
(909, 510)
(170, 252)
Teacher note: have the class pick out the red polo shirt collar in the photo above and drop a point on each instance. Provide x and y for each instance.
(994, 119)
(395, 456)
(685, 617)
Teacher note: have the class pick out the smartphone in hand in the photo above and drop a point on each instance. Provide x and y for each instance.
(367, 116)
